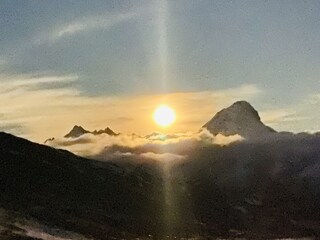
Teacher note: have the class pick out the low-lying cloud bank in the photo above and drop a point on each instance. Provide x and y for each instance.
(155, 146)
(234, 159)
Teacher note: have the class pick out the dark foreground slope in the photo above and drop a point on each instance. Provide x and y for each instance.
(67, 191)
(253, 190)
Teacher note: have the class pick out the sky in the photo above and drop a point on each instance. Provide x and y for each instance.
(111, 63)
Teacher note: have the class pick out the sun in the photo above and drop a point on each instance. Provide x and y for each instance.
(164, 116)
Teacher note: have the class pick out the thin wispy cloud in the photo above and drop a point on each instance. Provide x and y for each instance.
(14, 82)
(47, 79)
(299, 116)
(276, 116)
(87, 24)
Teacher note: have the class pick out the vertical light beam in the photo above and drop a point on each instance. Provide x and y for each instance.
(162, 27)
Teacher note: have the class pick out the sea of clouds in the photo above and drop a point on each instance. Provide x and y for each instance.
(156, 146)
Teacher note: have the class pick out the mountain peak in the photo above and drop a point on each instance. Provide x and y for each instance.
(106, 131)
(244, 107)
(240, 118)
(76, 131)
(76, 127)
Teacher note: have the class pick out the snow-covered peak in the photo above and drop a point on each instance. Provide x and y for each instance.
(240, 118)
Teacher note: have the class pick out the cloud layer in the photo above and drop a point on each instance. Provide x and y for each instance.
(156, 146)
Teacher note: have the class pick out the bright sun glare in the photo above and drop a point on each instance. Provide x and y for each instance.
(164, 116)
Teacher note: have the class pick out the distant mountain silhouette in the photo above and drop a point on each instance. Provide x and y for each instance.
(78, 131)
(47, 141)
(105, 131)
(240, 118)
